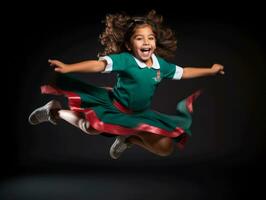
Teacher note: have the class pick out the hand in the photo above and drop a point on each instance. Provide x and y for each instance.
(218, 69)
(59, 66)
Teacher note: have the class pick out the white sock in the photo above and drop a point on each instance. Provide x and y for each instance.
(77, 120)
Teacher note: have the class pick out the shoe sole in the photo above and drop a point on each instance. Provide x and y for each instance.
(55, 104)
(112, 149)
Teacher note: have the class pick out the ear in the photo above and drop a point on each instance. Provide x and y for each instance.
(128, 47)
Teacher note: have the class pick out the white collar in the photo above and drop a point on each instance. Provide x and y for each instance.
(155, 63)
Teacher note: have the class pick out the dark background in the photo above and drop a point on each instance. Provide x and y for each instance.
(224, 158)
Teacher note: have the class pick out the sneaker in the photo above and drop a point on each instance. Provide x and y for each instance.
(119, 146)
(43, 114)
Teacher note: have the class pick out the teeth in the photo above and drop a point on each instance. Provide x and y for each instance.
(145, 49)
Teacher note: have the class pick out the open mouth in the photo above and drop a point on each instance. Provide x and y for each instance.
(145, 52)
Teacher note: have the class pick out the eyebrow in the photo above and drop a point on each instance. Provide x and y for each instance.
(142, 35)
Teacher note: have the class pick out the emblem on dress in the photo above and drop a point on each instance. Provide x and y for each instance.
(158, 76)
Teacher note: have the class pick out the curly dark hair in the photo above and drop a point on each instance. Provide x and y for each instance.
(120, 27)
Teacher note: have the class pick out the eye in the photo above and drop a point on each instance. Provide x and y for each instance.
(151, 38)
(138, 38)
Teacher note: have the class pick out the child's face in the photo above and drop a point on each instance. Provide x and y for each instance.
(143, 43)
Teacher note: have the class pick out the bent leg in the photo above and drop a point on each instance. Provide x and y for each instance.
(159, 145)
(77, 120)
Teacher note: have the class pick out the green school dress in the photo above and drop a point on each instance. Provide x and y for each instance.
(125, 108)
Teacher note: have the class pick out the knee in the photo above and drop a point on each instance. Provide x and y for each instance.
(166, 147)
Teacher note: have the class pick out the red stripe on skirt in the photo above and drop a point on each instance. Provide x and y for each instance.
(191, 99)
(74, 102)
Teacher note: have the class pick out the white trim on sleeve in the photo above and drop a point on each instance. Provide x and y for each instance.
(109, 66)
(178, 73)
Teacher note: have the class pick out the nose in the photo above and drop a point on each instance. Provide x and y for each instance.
(146, 41)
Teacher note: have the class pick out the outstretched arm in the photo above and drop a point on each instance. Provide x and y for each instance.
(89, 66)
(192, 72)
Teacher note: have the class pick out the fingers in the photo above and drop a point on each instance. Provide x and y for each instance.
(219, 68)
(222, 69)
(54, 62)
(57, 69)
(58, 66)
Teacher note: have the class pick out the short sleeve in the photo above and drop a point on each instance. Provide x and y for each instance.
(115, 63)
(171, 71)
(178, 73)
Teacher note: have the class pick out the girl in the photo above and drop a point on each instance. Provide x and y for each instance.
(135, 48)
